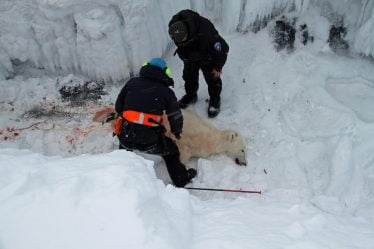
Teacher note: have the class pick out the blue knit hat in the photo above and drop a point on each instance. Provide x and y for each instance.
(158, 62)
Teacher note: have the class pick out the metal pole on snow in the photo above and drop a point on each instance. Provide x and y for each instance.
(226, 190)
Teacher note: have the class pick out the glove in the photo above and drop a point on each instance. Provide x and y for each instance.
(177, 135)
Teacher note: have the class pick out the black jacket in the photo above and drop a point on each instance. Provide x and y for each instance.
(204, 44)
(150, 93)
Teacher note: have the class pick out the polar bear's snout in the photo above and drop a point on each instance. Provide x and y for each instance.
(236, 147)
(241, 160)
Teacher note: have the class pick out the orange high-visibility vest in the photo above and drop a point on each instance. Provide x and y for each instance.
(142, 118)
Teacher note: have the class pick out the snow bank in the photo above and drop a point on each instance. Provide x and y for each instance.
(114, 201)
(105, 201)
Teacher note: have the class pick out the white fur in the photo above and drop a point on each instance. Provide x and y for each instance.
(201, 139)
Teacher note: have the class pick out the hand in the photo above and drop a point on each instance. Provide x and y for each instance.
(216, 74)
(177, 136)
(109, 117)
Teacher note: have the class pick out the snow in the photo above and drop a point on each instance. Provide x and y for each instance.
(306, 116)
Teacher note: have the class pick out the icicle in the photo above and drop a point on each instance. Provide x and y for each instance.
(301, 5)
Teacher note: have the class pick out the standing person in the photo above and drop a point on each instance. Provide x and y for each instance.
(199, 46)
(141, 103)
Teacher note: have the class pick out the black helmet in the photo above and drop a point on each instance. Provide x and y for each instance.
(178, 31)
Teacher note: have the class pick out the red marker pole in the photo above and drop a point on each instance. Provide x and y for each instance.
(226, 190)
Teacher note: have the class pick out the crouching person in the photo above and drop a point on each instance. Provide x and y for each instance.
(141, 103)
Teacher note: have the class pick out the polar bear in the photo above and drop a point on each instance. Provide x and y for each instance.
(199, 138)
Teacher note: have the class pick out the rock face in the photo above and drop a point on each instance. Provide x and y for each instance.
(336, 39)
(285, 32)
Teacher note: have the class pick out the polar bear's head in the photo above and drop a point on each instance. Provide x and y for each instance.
(235, 147)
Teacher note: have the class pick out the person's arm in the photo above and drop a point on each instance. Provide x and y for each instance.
(174, 114)
(218, 49)
(119, 106)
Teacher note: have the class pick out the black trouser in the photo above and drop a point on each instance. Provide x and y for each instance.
(191, 79)
(169, 152)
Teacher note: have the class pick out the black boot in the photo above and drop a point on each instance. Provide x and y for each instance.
(214, 108)
(182, 180)
(191, 173)
(187, 100)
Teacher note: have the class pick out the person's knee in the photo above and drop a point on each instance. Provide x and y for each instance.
(190, 79)
(210, 79)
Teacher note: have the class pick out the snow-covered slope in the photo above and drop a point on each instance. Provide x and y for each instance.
(306, 115)
(104, 201)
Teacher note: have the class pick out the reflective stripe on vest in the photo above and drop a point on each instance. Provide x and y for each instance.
(142, 118)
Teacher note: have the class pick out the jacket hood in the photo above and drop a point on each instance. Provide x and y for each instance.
(157, 74)
(191, 19)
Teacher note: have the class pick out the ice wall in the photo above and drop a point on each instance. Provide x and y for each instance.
(364, 39)
(101, 39)
(109, 39)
